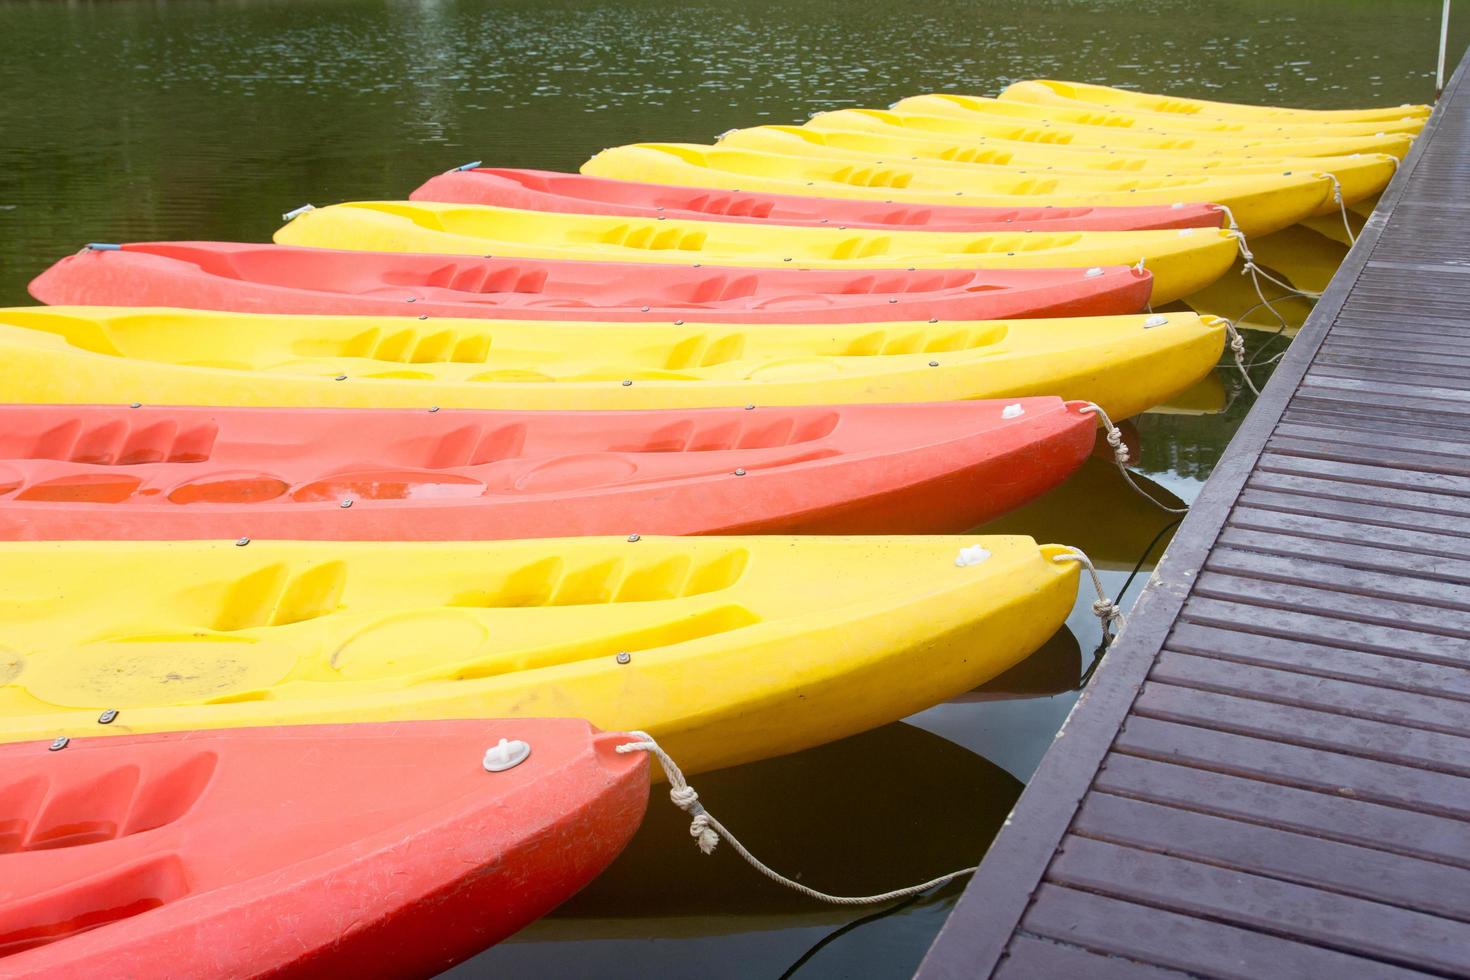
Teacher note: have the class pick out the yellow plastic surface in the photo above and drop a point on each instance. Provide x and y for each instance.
(1360, 176)
(1045, 91)
(1260, 204)
(185, 357)
(953, 121)
(738, 648)
(1090, 115)
(1180, 260)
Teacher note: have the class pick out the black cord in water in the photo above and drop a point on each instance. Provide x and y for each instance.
(1102, 649)
(844, 930)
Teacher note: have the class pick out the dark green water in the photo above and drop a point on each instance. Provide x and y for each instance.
(134, 120)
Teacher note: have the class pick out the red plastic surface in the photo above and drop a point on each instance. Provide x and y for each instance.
(342, 850)
(282, 279)
(545, 190)
(164, 472)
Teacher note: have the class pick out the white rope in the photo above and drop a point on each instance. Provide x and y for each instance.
(1105, 609)
(1257, 273)
(1342, 207)
(1237, 348)
(1120, 457)
(707, 831)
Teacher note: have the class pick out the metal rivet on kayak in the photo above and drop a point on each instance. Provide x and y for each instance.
(412, 299)
(678, 323)
(739, 472)
(242, 542)
(934, 364)
(633, 537)
(135, 404)
(934, 319)
(1177, 205)
(750, 408)
(842, 227)
(911, 268)
(626, 382)
(658, 209)
(1094, 272)
(1286, 173)
(346, 503)
(433, 409)
(1010, 253)
(893, 301)
(488, 256)
(824, 221)
(1155, 321)
(659, 218)
(698, 264)
(423, 316)
(61, 742)
(624, 658)
(107, 717)
(644, 309)
(506, 754)
(1012, 411)
(786, 260)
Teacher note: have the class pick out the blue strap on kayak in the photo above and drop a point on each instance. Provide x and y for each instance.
(104, 247)
(472, 165)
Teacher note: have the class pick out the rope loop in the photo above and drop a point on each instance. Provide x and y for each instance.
(707, 831)
(1105, 609)
(1237, 348)
(1342, 207)
(1120, 457)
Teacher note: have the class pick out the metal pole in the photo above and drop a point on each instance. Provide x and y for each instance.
(1444, 35)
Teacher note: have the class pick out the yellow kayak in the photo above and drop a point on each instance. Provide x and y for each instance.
(951, 120)
(736, 648)
(1045, 91)
(1181, 260)
(94, 355)
(1260, 203)
(1152, 122)
(1360, 176)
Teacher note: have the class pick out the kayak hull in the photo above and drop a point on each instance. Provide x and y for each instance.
(102, 355)
(155, 473)
(251, 278)
(739, 648)
(1044, 91)
(194, 872)
(541, 190)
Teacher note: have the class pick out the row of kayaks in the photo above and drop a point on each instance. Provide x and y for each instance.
(340, 573)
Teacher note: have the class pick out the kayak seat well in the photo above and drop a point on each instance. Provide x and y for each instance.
(85, 806)
(111, 896)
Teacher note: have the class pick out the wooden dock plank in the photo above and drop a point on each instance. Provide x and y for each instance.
(1269, 776)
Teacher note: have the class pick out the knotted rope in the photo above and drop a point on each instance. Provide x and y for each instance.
(707, 833)
(1114, 438)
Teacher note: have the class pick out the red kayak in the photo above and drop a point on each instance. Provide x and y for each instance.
(335, 850)
(77, 472)
(546, 190)
(251, 278)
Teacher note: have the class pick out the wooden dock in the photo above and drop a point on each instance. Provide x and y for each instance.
(1270, 775)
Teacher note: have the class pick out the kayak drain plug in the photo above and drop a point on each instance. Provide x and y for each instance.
(506, 754)
(624, 657)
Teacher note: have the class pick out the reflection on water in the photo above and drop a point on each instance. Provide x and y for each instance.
(134, 120)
